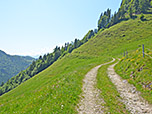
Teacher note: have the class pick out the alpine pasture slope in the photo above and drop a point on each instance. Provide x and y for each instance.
(57, 89)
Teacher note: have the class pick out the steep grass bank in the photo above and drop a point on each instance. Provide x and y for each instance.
(138, 71)
(57, 89)
(54, 90)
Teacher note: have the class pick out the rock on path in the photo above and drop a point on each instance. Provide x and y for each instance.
(130, 97)
(90, 101)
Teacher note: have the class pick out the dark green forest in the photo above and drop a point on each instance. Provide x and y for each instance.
(128, 9)
(12, 65)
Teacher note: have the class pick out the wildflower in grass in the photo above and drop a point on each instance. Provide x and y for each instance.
(122, 58)
(62, 106)
(132, 59)
(128, 59)
(138, 60)
(139, 56)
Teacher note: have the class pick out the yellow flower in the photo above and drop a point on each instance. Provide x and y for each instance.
(132, 59)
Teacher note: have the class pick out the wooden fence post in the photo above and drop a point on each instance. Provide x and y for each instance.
(143, 50)
(126, 53)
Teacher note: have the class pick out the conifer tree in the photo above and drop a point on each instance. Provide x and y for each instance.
(130, 12)
(143, 5)
(2, 84)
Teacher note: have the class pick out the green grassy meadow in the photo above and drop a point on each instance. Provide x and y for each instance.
(56, 90)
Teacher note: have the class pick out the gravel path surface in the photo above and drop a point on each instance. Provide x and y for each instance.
(131, 98)
(90, 101)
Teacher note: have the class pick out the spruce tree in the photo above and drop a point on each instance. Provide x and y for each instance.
(130, 12)
(2, 84)
(143, 5)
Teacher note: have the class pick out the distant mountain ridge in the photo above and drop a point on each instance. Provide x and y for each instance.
(10, 65)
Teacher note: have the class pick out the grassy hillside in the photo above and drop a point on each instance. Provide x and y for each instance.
(138, 71)
(40, 64)
(57, 89)
(11, 65)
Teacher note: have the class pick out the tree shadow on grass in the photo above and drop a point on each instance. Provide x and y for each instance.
(134, 17)
(144, 20)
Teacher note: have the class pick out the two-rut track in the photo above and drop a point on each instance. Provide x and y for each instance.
(90, 102)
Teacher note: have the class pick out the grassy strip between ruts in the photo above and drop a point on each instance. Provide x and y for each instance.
(112, 101)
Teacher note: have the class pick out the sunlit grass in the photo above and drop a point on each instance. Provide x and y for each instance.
(57, 89)
(138, 71)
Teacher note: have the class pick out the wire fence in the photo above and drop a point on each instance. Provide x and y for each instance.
(125, 54)
(147, 53)
(149, 49)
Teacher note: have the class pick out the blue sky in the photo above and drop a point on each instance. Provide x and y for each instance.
(34, 27)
